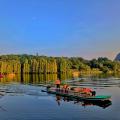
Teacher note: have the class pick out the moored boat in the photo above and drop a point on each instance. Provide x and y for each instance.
(1, 76)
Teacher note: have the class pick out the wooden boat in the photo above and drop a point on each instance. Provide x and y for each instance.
(80, 96)
(1, 76)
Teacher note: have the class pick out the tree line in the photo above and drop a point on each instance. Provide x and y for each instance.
(29, 64)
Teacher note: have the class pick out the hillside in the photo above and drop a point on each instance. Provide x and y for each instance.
(118, 57)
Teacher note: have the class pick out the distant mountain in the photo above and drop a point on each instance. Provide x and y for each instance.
(118, 57)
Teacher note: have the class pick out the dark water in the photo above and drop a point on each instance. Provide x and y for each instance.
(23, 100)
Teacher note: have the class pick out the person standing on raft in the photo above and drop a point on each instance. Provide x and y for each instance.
(57, 83)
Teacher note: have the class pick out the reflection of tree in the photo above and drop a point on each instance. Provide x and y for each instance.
(29, 78)
(34, 78)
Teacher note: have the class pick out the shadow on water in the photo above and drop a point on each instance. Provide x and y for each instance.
(103, 104)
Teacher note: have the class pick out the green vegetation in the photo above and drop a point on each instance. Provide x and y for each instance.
(30, 64)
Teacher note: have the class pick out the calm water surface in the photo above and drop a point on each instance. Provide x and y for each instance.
(23, 101)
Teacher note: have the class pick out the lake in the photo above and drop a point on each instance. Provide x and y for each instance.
(22, 99)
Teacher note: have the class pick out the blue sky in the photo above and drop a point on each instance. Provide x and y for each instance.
(85, 28)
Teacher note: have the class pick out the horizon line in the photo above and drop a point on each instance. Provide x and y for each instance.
(37, 54)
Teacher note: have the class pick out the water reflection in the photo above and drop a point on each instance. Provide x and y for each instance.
(21, 98)
(2, 109)
(29, 78)
(103, 104)
(101, 79)
(96, 82)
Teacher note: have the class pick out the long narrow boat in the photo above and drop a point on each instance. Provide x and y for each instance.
(79, 97)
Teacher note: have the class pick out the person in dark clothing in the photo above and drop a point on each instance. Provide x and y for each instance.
(93, 93)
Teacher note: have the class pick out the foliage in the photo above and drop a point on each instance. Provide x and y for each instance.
(43, 64)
